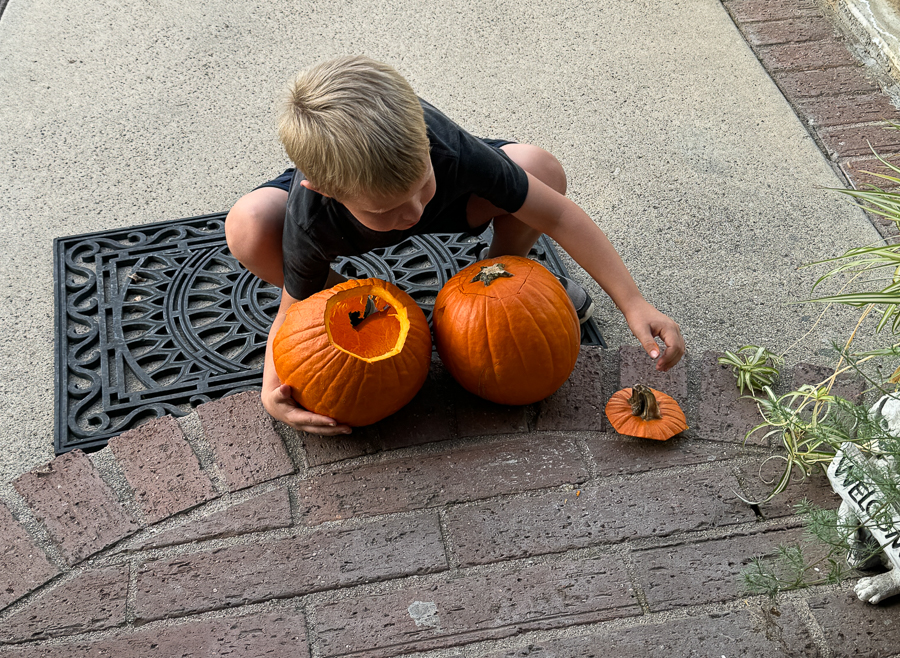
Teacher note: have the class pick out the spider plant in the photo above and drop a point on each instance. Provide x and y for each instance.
(755, 370)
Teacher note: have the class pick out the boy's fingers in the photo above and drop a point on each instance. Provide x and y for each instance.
(307, 421)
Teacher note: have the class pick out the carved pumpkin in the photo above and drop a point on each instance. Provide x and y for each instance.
(646, 413)
(356, 353)
(506, 330)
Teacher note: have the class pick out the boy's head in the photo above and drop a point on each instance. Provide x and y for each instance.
(354, 126)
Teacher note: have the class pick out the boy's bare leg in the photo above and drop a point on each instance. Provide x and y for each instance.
(253, 230)
(512, 237)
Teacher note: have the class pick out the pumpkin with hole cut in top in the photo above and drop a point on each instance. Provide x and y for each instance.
(357, 352)
(506, 330)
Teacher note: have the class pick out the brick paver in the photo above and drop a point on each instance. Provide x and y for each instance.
(162, 469)
(274, 635)
(280, 568)
(580, 403)
(429, 481)
(725, 414)
(260, 513)
(23, 566)
(605, 512)
(614, 454)
(77, 507)
(91, 601)
(706, 572)
(475, 607)
(248, 449)
(755, 632)
(855, 629)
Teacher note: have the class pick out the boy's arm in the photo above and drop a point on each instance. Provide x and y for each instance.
(550, 212)
(276, 397)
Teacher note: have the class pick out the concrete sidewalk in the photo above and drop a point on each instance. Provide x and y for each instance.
(705, 169)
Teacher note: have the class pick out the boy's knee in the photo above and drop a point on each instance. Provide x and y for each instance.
(254, 222)
(540, 163)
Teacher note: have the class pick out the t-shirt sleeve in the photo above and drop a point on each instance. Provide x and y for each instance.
(305, 267)
(491, 174)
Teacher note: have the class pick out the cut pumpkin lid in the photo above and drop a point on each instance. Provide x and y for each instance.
(645, 413)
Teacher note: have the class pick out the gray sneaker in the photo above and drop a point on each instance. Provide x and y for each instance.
(584, 305)
(581, 300)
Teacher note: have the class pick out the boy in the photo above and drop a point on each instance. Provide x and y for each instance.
(378, 165)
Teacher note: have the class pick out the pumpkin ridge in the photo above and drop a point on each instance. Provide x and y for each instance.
(526, 352)
(547, 304)
(329, 358)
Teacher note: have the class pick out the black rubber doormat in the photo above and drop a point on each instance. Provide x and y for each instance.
(159, 318)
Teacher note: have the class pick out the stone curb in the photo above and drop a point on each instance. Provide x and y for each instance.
(838, 100)
(471, 515)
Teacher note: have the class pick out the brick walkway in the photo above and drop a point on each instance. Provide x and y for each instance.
(456, 528)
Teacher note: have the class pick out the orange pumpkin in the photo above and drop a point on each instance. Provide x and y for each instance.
(506, 330)
(357, 352)
(646, 413)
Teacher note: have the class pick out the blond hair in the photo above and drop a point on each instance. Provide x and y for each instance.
(353, 125)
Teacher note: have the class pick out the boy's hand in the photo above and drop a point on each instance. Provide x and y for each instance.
(283, 407)
(646, 323)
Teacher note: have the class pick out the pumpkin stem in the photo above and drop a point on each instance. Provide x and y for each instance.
(356, 318)
(489, 273)
(643, 403)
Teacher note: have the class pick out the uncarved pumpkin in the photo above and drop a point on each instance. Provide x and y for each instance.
(646, 413)
(506, 330)
(356, 352)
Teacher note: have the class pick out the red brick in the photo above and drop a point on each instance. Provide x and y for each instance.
(273, 635)
(330, 449)
(725, 414)
(792, 30)
(432, 480)
(808, 84)
(471, 607)
(755, 632)
(847, 385)
(478, 417)
(855, 628)
(280, 568)
(829, 111)
(79, 510)
(635, 367)
(709, 572)
(92, 601)
(862, 174)
(748, 11)
(606, 512)
(579, 404)
(427, 419)
(614, 454)
(264, 512)
(248, 450)
(860, 141)
(805, 56)
(162, 469)
(23, 566)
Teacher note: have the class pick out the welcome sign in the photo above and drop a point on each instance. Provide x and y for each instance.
(849, 477)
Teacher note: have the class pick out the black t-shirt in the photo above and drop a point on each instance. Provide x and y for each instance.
(318, 229)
